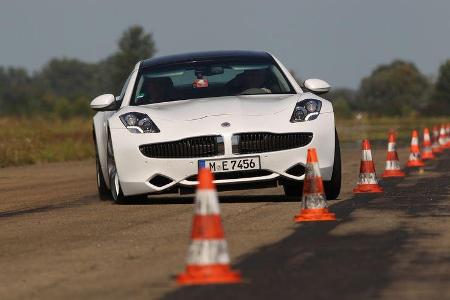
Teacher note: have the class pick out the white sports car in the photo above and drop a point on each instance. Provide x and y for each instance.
(239, 113)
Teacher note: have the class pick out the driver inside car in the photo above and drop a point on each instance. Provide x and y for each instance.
(156, 90)
(253, 81)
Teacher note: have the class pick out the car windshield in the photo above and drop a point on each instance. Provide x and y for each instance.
(195, 80)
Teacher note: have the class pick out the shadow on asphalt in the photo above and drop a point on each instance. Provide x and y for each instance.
(312, 263)
(46, 208)
(223, 199)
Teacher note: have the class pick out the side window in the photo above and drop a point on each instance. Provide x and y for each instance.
(124, 89)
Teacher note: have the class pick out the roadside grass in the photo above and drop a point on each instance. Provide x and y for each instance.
(376, 129)
(39, 140)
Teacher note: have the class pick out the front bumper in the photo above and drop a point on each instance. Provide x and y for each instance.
(136, 171)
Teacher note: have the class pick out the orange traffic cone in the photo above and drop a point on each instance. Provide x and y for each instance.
(414, 153)
(427, 153)
(392, 163)
(208, 261)
(447, 130)
(367, 180)
(314, 204)
(442, 138)
(435, 147)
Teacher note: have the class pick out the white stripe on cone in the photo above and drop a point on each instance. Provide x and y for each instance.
(392, 165)
(366, 155)
(447, 131)
(313, 200)
(208, 252)
(414, 156)
(391, 147)
(435, 144)
(206, 202)
(415, 141)
(312, 171)
(426, 149)
(442, 141)
(367, 178)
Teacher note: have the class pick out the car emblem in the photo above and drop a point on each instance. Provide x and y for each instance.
(225, 124)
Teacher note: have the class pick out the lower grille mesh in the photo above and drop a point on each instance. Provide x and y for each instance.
(236, 175)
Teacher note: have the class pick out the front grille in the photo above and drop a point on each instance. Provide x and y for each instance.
(202, 146)
(258, 142)
(235, 175)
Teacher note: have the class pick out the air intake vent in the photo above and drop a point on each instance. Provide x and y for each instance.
(160, 180)
(203, 146)
(297, 170)
(258, 142)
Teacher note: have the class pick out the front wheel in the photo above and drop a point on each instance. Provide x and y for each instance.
(117, 194)
(103, 190)
(333, 187)
(114, 183)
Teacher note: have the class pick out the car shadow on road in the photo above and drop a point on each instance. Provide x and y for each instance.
(223, 199)
(315, 262)
(46, 208)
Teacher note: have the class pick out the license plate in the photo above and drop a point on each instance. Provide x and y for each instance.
(231, 164)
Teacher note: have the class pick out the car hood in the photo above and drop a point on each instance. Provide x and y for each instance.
(190, 110)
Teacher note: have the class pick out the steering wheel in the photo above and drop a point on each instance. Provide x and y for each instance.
(255, 91)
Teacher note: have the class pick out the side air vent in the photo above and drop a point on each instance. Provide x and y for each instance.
(160, 180)
(296, 170)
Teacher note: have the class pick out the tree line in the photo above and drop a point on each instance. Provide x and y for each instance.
(397, 89)
(65, 86)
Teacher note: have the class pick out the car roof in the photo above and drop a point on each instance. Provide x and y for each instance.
(206, 55)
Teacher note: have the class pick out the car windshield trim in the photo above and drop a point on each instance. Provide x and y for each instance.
(220, 75)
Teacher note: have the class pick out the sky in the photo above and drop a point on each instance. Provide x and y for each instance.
(340, 41)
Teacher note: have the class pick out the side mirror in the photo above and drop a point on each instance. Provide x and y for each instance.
(105, 102)
(316, 86)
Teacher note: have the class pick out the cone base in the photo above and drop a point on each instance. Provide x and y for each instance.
(415, 163)
(367, 188)
(211, 274)
(312, 215)
(428, 156)
(393, 174)
(436, 151)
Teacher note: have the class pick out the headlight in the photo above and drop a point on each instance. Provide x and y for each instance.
(138, 123)
(306, 110)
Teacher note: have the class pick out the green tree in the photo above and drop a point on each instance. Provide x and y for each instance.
(440, 99)
(134, 45)
(344, 102)
(394, 89)
(69, 78)
(17, 92)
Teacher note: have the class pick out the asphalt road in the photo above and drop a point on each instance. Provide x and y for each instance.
(58, 241)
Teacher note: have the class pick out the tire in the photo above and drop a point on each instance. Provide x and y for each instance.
(293, 188)
(103, 190)
(333, 187)
(116, 193)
